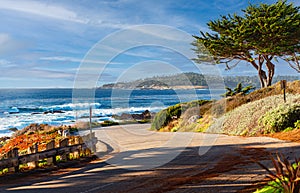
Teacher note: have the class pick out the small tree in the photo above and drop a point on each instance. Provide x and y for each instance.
(238, 89)
(260, 36)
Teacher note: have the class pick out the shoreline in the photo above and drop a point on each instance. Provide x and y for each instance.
(156, 88)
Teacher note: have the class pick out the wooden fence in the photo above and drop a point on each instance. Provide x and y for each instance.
(13, 160)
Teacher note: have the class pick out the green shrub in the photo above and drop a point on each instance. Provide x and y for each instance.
(73, 129)
(297, 124)
(281, 117)
(159, 120)
(288, 129)
(144, 121)
(272, 187)
(238, 89)
(285, 178)
(175, 129)
(256, 117)
(109, 123)
(165, 116)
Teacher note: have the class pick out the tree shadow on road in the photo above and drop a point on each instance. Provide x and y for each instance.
(224, 168)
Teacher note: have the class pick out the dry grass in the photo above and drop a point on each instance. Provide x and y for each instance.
(238, 100)
(293, 135)
(244, 112)
(238, 121)
(244, 120)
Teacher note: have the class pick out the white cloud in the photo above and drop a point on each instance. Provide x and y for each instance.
(8, 44)
(76, 60)
(6, 64)
(4, 38)
(61, 58)
(41, 9)
(36, 73)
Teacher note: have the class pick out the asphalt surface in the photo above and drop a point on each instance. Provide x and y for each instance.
(134, 159)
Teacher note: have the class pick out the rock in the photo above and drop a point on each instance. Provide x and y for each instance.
(32, 128)
(55, 111)
(146, 114)
(3, 139)
(127, 116)
(13, 129)
(193, 119)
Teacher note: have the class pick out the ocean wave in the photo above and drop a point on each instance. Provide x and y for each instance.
(24, 119)
(51, 108)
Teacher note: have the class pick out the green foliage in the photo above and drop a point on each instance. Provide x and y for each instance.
(109, 123)
(228, 93)
(246, 119)
(73, 129)
(286, 177)
(247, 89)
(159, 120)
(263, 33)
(281, 117)
(4, 171)
(165, 116)
(238, 89)
(196, 80)
(144, 121)
(288, 129)
(272, 187)
(297, 124)
(175, 129)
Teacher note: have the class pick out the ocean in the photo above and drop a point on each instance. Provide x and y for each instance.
(21, 107)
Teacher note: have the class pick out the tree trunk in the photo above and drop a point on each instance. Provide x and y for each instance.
(261, 73)
(271, 70)
(262, 77)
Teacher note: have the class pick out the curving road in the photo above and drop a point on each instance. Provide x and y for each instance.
(134, 159)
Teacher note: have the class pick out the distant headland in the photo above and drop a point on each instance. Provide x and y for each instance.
(188, 80)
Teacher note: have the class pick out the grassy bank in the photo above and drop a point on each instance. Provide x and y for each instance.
(262, 111)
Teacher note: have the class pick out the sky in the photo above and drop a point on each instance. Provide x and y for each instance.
(46, 43)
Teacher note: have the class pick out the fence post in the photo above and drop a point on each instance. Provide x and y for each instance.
(81, 150)
(76, 153)
(33, 149)
(283, 87)
(14, 155)
(64, 143)
(51, 145)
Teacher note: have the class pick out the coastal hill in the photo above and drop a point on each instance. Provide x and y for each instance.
(187, 81)
(263, 111)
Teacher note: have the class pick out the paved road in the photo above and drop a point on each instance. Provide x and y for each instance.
(133, 159)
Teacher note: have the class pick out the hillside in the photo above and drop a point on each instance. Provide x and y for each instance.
(186, 80)
(261, 112)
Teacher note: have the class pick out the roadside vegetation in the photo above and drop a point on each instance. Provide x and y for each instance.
(285, 178)
(262, 111)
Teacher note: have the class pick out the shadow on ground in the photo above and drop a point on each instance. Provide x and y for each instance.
(224, 168)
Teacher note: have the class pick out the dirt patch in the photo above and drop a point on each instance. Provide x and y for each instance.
(293, 135)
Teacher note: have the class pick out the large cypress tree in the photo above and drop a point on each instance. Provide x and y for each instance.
(262, 35)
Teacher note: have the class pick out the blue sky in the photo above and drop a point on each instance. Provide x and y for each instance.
(42, 43)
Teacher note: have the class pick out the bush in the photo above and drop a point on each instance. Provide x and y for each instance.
(159, 120)
(165, 116)
(109, 123)
(258, 116)
(281, 117)
(297, 124)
